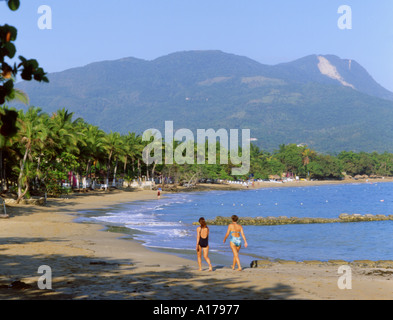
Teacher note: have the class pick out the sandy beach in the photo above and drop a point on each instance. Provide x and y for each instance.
(88, 262)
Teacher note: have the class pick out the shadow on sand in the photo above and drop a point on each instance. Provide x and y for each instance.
(79, 277)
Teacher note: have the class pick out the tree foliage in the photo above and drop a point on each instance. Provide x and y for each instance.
(27, 69)
(49, 149)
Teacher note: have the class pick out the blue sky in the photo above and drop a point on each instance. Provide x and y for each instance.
(270, 32)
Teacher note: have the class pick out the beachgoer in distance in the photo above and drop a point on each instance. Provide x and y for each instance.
(203, 243)
(159, 193)
(235, 241)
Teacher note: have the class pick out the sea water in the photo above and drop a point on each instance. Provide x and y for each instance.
(167, 224)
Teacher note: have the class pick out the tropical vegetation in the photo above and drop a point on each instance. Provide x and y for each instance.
(47, 152)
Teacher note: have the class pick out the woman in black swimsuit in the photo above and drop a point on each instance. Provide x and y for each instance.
(203, 244)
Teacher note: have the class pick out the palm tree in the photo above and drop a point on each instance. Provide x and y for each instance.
(7, 136)
(113, 146)
(66, 136)
(63, 129)
(134, 151)
(42, 148)
(91, 148)
(8, 127)
(18, 95)
(307, 154)
(32, 133)
(155, 144)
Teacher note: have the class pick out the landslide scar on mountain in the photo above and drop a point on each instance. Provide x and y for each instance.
(327, 69)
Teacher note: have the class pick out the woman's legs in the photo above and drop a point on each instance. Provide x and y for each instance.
(236, 259)
(205, 255)
(199, 257)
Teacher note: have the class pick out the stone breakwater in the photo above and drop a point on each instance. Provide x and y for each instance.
(387, 264)
(282, 220)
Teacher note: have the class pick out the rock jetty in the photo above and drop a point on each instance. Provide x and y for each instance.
(265, 263)
(282, 220)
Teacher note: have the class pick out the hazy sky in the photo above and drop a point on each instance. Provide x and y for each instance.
(270, 32)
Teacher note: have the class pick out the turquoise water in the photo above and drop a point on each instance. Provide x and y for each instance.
(167, 223)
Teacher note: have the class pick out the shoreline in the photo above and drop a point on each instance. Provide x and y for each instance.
(291, 184)
(88, 262)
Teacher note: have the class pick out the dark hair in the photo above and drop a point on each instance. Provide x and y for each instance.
(235, 218)
(202, 221)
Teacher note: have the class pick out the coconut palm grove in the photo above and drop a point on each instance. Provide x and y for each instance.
(46, 152)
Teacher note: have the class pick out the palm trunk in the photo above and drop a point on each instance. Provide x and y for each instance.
(153, 170)
(162, 181)
(86, 174)
(22, 167)
(87, 168)
(133, 167)
(114, 174)
(37, 172)
(2, 171)
(147, 168)
(125, 165)
(24, 192)
(108, 167)
(139, 168)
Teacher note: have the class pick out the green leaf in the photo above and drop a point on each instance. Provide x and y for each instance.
(10, 49)
(13, 4)
(7, 33)
(8, 87)
(26, 75)
(13, 32)
(9, 123)
(33, 63)
(2, 95)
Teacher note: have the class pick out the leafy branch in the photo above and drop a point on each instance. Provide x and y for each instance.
(28, 69)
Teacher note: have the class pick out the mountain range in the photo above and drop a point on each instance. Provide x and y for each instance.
(330, 104)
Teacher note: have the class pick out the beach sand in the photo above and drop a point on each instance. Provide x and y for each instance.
(302, 183)
(88, 262)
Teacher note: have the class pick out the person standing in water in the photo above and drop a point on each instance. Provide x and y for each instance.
(235, 241)
(203, 243)
(159, 193)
